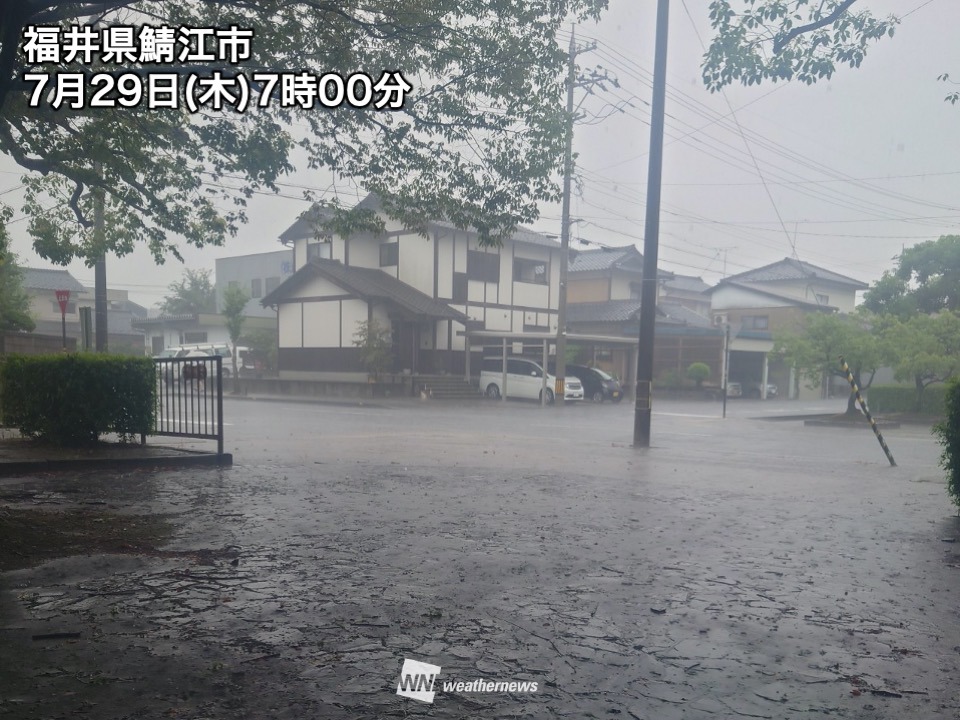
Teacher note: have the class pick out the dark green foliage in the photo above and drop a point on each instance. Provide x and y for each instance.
(903, 399)
(479, 140)
(948, 432)
(193, 294)
(71, 399)
(698, 372)
(759, 40)
(926, 279)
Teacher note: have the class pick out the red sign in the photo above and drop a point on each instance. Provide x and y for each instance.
(63, 297)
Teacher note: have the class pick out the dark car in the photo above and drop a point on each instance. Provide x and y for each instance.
(597, 385)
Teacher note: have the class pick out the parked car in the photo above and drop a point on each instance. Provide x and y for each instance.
(597, 384)
(524, 380)
(752, 390)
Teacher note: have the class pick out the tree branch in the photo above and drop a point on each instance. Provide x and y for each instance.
(781, 42)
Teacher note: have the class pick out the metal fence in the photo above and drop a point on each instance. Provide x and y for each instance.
(190, 398)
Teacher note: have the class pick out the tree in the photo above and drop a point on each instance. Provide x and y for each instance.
(698, 372)
(193, 294)
(788, 39)
(924, 348)
(234, 301)
(469, 128)
(376, 349)
(926, 280)
(14, 301)
(815, 350)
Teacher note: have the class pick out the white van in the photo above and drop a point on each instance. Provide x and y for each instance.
(524, 380)
(244, 360)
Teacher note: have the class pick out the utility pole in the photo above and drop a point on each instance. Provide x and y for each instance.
(643, 409)
(559, 392)
(100, 269)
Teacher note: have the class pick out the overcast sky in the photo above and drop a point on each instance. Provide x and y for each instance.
(851, 169)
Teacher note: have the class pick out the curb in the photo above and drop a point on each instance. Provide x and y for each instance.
(189, 458)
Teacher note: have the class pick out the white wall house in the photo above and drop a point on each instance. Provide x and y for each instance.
(758, 303)
(425, 288)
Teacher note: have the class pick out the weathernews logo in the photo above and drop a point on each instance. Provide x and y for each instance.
(417, 680)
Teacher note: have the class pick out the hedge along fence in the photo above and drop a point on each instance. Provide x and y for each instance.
(72, 399)
(903, 399)
(949, 434)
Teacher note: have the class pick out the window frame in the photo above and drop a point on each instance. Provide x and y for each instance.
(483, 266)
(390, 254)
(522, 263)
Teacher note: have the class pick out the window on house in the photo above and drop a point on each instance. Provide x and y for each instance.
(322, 250)
(530, 271)
(483, 266)
(460, 287)
(193, 337)
(389, 254)
(256, 288)
(823, 299)
(272, 284)
(755, 322)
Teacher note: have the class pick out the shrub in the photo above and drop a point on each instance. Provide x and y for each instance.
(903, 398)
(698, 372)
(71, 399)
(949, 434)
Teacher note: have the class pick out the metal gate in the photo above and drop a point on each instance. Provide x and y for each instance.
(190, 398)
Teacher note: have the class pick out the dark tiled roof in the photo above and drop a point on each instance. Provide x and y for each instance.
(792, 269)
(161, 319)
(48, 279)
(610, 311)
(687, 283)
(367, 283)
(675, 311)
(602, 258)
(305, 225)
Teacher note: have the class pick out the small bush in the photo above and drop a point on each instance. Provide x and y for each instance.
(903, 399)
(698, 372)
(949, 435)
(71, 399)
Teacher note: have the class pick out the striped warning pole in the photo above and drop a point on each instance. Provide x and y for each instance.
(863, 404)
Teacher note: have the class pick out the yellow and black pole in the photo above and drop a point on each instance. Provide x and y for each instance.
(863, 404)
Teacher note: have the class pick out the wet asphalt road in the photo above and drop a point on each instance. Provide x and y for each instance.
(739, 568)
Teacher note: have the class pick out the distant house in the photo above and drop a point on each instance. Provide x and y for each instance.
(758, 303)
(41, 285)
(431, 287)
(687, 291)
(604, 301)
(167, 331)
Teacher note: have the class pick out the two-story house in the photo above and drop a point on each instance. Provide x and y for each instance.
(757, 303)
(428, 286)
(604, 301)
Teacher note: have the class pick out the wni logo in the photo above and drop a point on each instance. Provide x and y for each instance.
(416, 680)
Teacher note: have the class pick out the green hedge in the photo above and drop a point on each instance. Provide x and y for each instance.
(71, 399)
(949, 434)
(903, 399)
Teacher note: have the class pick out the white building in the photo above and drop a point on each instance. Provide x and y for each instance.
(427, 289)
(259, 274)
